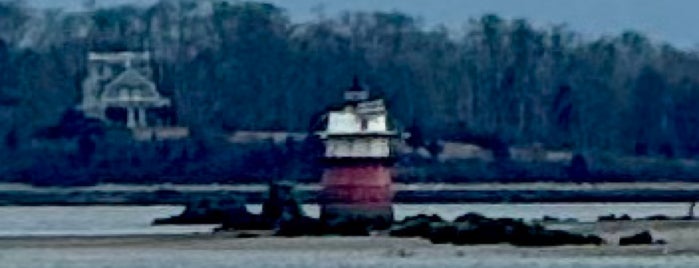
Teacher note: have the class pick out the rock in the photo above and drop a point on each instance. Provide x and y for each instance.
(658, 218)
(643, 238)
(570, 220)
(442, 233)
(417, 226)
(299, 226)
(247, 221)
(306, 226)
(474, 229)
(490, 231)
(660, 242)
(687, 218)
(612, 217)
(281, 203)
(547, 218)
(280, 208)
(471, 218)
(347, 226)
(421, 217)
(207, 211)
(542, 237)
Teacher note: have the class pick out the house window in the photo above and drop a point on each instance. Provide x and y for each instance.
(124, 93)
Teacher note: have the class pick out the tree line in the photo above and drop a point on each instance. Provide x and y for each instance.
(247, 66)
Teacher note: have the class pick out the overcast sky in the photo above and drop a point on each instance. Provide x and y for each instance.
(674, 21)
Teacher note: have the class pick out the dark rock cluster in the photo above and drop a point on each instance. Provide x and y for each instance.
(613, 217)
(473, 229)
(281, 212)
(283, 215)
(642, 238)
(279, 207)
(208, 211)
(625, 217)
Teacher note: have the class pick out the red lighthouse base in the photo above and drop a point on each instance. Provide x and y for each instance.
(358, 192)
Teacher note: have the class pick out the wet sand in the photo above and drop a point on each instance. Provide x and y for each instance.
(385, 245)
(682, 238)
(227, 250)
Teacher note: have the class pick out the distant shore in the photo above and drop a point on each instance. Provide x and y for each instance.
(19, 194)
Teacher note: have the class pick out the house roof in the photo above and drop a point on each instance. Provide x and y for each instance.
(130, 77)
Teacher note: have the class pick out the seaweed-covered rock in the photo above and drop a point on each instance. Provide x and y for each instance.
(658, 218)
(422, 217)
(491, 231)
(547, 218)
(471, 218)
(612, 217)
(542, 237)
(247, 221)
(280, 212)
(625, 217)
(342, 226)
(442, 233)
(474, 229)
(207, 211)
(281, 203)
(299, 226)
(642, 238)
(416, 226)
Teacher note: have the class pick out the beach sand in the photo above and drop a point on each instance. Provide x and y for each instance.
(682, 238)
(229, 250)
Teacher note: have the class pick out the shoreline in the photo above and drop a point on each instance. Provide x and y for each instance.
(24, 195)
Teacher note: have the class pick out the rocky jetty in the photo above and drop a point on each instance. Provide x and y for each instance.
(474, 229)
(282, 214)
(279, 206)
(280, 209)
(208, 211)
(415, 226)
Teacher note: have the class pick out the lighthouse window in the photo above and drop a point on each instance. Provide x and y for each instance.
(365, 124)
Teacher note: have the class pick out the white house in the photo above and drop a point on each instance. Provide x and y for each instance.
(119, 90)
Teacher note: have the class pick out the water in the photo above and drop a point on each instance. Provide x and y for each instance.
(580, 211)
(91, 220)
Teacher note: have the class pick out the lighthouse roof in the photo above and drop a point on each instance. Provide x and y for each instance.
(356, 93)
(356, 85)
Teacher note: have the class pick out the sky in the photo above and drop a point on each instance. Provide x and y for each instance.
(670, 21)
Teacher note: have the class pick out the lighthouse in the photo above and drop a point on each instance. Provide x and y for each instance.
(358, 159)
